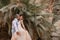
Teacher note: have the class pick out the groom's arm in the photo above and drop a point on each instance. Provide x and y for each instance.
(15, 26)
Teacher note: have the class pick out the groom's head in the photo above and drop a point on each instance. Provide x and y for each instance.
(18, 16)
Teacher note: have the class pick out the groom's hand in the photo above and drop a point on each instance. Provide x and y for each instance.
(17, 33)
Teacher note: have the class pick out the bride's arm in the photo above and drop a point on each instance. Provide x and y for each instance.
(23, 24)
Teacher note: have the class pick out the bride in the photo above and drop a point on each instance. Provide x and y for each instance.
(22, 34)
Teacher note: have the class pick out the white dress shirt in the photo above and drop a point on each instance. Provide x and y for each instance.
(14, 25)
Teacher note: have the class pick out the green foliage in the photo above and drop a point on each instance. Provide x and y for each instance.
(26, 1)
(30, 7)
(4, 3)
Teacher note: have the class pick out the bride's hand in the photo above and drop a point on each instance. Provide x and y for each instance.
(21, 21)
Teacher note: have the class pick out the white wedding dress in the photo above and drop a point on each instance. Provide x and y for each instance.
(24, 35)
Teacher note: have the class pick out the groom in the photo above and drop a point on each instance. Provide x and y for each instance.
(21, 33)
(15, 24)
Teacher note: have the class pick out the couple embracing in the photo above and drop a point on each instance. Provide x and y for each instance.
(18, 29)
